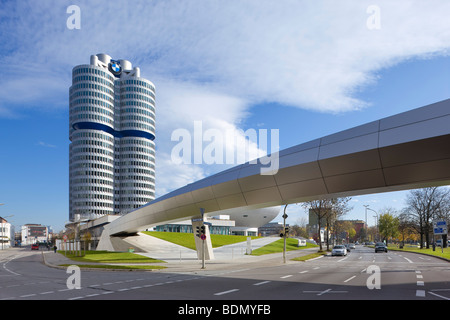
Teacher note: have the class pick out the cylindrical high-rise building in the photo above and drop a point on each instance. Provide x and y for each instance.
(112, 128)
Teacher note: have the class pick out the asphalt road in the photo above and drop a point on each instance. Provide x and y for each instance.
(362, 275)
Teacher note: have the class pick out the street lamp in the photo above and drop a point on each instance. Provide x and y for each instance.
(367, 208)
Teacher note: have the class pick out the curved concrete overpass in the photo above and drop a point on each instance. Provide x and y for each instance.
(404, 151)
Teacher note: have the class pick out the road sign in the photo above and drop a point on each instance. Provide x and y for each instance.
(64, 238)
(440, 227)
(203, 237)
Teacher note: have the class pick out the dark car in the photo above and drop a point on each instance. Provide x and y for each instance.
(380, 246)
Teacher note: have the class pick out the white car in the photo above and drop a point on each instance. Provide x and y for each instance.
(339, 251)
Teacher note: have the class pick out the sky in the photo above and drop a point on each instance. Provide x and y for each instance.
(304, 68)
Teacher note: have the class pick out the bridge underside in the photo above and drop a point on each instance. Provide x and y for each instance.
(406, 151)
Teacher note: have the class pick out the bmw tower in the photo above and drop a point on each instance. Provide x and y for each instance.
(111, 132)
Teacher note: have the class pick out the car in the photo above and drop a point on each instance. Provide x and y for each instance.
(35, 246)
(380, 246)
(352, 246)
(347, 246)
(339, 250)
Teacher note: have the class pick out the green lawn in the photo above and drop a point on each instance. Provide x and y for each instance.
(111, 257)
(310, 256)
(188, 239)
(277, 246)
(115, 267)
(430, 251)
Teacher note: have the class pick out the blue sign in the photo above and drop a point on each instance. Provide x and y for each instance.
(440, 227)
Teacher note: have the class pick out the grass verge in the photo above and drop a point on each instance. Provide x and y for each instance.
(115, 267)
(104, 259)
(437, 253)
(277, 246)
(310, 256)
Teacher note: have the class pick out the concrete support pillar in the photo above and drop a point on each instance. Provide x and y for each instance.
(209, 254)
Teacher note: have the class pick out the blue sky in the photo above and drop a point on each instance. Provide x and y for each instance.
(305, 68)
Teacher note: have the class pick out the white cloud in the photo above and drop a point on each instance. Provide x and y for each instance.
(213, 60)
(313, 55)
(45, 144)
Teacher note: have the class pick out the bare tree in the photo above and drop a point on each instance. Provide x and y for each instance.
(326, 212)
(424, 205)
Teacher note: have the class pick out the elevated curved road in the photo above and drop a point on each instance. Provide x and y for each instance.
(405, 151)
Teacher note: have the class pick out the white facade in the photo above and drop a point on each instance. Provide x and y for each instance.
(6, 234)
(33, 233)
(112, 128)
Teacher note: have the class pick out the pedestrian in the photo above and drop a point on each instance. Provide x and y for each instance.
(54, 248)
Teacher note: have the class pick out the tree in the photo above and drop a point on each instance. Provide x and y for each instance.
(424, 205)
(326, 212)
(320, 208)
(388, 226)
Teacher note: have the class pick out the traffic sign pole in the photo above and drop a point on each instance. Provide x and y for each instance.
(203, 237)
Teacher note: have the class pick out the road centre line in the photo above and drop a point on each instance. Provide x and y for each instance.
(288, 276)
(261, 283)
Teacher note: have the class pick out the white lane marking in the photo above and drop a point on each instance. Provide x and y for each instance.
(319, 294)
(225, 292)
(420, 293)
(437, 295)
(350, 279)
(288, 276)
(261, 283)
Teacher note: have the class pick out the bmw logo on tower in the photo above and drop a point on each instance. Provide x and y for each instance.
(114, 67)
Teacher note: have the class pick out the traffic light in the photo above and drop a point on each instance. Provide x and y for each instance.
(197, 231)
(285, 233)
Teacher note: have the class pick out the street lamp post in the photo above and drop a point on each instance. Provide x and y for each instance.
(367, 208)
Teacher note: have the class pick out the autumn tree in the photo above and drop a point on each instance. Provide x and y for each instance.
(388, 226)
